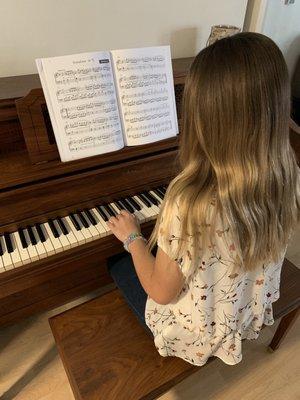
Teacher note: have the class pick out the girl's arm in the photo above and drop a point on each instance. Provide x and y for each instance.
(160, 276)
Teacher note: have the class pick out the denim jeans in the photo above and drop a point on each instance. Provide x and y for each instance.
(121, 269)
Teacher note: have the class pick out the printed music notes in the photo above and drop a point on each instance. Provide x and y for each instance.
(84, 109)
(99, 101)
(144, 82)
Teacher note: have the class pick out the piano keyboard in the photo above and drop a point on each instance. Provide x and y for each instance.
(34, 242)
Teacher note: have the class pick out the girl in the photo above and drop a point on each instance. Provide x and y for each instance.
(226, 218)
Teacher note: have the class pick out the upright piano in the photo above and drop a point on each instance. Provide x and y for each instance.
(54, 241)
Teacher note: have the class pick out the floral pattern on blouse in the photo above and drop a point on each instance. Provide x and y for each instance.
(219, 304)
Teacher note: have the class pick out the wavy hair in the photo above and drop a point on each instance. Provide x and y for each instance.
(234, 148)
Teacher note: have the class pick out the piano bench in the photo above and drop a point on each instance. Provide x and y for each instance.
(108, 355)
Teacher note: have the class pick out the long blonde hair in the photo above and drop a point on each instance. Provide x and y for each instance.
(235, 149)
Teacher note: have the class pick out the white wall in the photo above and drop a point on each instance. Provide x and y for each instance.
(43, 28)
(280, 22)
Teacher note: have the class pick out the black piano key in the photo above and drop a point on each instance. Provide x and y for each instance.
(31, 235)
(119, 205)
(83, 220)
(40, 233)
(75, 222)
(90, 217)
(163, 189)
(62, 226)
(109, 210)
(22, 238)
(144, 199)
(53, 228)
(124, 205)
(102, 213)
(151, 198)
(158, 193)
(1, 248)
(8, 242)
(129, 206)
(96, 218)
(134, 203)
(128, 199)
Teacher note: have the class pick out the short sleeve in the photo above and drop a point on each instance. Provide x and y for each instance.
(168, 239)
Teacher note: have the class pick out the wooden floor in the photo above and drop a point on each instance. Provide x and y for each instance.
(30, 368)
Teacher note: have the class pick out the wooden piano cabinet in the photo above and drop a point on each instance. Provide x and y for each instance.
(53, 281)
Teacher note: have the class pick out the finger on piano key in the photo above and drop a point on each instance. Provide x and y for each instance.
(6, 258)
(31, 249)
(24, 255)
(93, 230)
(15, 255)
(54, 240)
(76, 232)
(137, 211)
(40, 248)
(47, 242)
(106, 231)
(62, 238)
(70, 235)
(86, 233)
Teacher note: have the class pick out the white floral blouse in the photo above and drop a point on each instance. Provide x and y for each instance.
(218, 305)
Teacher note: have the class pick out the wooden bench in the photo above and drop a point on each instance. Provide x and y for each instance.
(108, 355)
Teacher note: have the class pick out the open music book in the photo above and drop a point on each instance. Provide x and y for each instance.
(100, 102)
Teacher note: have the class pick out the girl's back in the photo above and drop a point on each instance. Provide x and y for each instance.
(228, 215)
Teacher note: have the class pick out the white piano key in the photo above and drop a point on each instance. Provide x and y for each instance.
(15, 255)
(99, 226)
(47, 243)
(31, 249)
(24, 255)
(93, 230)
(6, 258)
(62, 238)
(2, 269)
(70, 235)
(58, 247)
(156, 197)
(39, 246)
(107, 231)
(152, 210)
(146, 212)
(86, 233)
(77, 234)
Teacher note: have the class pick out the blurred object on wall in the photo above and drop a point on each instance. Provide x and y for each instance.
(220, 31)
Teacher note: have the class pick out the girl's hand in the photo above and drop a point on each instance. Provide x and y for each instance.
(123, 225)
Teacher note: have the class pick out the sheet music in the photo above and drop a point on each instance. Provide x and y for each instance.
(83, 108)
(144, 82)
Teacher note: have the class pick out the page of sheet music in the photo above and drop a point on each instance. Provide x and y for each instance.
(144, 82)
(83, 106)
